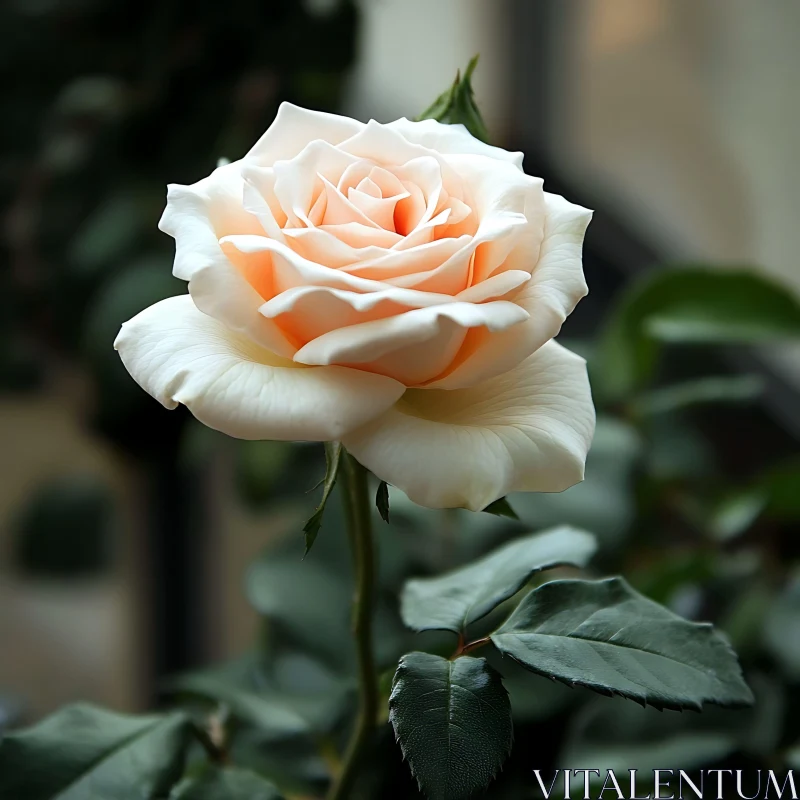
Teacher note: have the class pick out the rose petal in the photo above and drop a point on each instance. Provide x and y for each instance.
(225, 288)
(557, 284)
(300, 181)
(451, 139)
(294, 127)
(527, 430)
(180, 355)
(307, 312)
(196, 216)
(412, 347)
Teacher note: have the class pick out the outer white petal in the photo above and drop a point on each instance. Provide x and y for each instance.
(527, 430)
(294, 127)
(450, 139)
(180, 355)
(557, 284)
(196, 216)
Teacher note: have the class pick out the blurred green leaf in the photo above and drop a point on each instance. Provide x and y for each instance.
(501, 508)
(308, 600)
(607, 637)
(715, 389)
(108, 234)
(604, 502)
(274, 718)
(227, 783)
(622, 736)
(688, 305)
(782, 629)
(333, 455)
(66, 528)
(455, 600)
(676, 450)
(781, 484)
(83, 751)
(453, 722)
(670, 572)
(457, 105)
(534, 699)
(735, 513)
(259, 464)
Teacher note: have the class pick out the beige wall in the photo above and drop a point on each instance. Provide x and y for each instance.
(411, 50)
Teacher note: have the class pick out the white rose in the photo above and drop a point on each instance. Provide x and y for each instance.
(396, 287)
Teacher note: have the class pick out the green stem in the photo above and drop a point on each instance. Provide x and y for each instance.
(359, 524)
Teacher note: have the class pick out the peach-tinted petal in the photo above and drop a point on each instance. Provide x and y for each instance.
(556, 286)
(411, 347)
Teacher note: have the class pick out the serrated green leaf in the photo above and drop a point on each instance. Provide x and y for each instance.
(228, 783)
(275, 719)
(501, 508)
(609, 638)
(689, 305)
(382, 501)
(453, 722)
(452, 601)
(333, 455)
(83, 751)
(457, 105)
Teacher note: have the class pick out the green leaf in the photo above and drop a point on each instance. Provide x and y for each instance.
(229, 783)
(275, 719)
(782, 486)
(457, 105)
(689, 305)
(781, 630)
(501, 508)
(735, 513)
(452, 601)
(382, 501)
(259, 465)
(715, 389)
(307, 599)
(607, 637)
(83, 751)
(604, 501)
(619, 735)
(333, 455)
(453, 722)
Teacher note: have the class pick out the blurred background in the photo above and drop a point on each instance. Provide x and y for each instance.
(126, 530)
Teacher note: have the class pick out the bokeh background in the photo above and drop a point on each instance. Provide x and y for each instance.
(126, 530)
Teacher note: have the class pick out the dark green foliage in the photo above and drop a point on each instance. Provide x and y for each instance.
(455, 600)
(382, 501)
(604, 635)
(453, 722)
(501, 508)
(83, 751)
(694, 305)
(227, 784)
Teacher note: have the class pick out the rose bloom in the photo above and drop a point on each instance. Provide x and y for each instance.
(395, 287)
